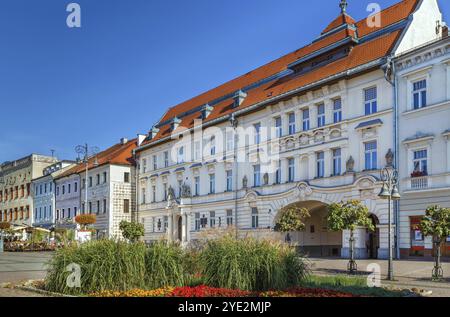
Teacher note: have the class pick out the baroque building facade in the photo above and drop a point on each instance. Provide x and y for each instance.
(311, 128)
(16, 199)
(423, 81)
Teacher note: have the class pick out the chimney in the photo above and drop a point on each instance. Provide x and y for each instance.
(206, 111)
(239, 98)
(140, 139)
(123, 141)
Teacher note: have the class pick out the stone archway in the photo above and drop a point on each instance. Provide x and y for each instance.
(316, 240)
(373, 238)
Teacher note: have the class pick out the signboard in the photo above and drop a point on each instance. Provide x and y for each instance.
(83, 236)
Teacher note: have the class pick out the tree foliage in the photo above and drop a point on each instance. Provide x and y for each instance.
(348, 215)
(292, 218)
(131, 230)
(436, 222)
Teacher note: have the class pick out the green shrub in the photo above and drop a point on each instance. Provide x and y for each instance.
(132, 230)
(164, 265)
(105, 265)
(250, 264)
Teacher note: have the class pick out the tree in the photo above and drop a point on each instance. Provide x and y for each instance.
(291, 218)
(131, 230)
(436, 224)
(348, 216)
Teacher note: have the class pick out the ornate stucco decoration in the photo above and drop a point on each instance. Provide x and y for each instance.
(244, 181)
(350, 165)
(185, 191)
(389, 158)
(304, 190)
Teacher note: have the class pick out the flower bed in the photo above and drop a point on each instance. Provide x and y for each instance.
(206, 291)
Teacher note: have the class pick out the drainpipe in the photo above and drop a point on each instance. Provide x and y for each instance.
(394, 82)
(136, 186)
(234, 123)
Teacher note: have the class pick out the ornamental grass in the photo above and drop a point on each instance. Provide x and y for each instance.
(164, 265)
(104, 265)
(250, 264)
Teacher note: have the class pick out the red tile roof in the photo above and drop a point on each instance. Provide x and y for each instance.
(118, 154)
(359, 55)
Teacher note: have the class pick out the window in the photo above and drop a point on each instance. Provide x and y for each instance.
(420, 94)
(278, 127)
(320, 165)
(337, 162)
(165, 191)
(213, 145)
(306, 125)
(83, 183)
(278, 173)
(197, 221)
(68, 188)
(321, 115)
(212, 183)
(337, 110)
(257, 175)
(98, 207)
(229, 218)
(166, 159)
(180, 185)
(126, 177)
(143, 199)
(126, 206)
(75, 187)
(144, 165)
(155, 162)
(180, 157)
(83, 208)
(90, 182)
(90, 208)
(230, 140)
(197, 186)
(197, 151)
(370, 155)
(75, 209)
(229, 180)
(105, 177)
(370, 100)
(98, 179)
(153, 194)
(291, 123)
(45, 189)
(257, 127)
(63, 189)
(291, 170)
(166, 223)
(420, 162)
(212, 219)
(255, 218)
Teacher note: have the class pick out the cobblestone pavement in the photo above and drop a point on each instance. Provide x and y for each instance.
(407, 274)
(8, 292)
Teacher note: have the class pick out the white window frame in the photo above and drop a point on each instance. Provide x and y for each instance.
(306, 123)
(370, 104)
(291, 123)
(278, 123)
(257, 175)
(320, 164)
(337, 162)
(419, 92)
(291, 170)
(370, 152)
(321, 119)
(229, 180)
(337, 110)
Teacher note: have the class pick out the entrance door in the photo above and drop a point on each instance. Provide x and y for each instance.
(180, 228)
(373, 239)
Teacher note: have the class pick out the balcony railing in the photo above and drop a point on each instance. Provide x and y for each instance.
(421, 182)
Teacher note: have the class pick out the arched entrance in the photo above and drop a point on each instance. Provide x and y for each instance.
(316, 240)
(373, 239)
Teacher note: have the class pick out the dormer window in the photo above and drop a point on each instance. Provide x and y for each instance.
(153, 132)
(175, 123)
(239, 98)
(206, 111)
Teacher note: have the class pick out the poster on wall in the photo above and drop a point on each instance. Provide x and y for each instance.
(418, 235)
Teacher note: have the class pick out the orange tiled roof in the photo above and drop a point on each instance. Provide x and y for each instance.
(119, 154)
(359, 55)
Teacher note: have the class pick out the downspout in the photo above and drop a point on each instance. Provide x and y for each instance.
(391, 77)
(234, 123)
(136, 186)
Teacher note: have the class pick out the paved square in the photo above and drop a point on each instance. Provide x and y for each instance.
(21, 266)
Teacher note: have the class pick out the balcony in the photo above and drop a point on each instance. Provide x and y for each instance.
(420, 182)
(417, 183)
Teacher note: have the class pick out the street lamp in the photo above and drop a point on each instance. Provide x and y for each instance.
(86, 153)
(389, 191)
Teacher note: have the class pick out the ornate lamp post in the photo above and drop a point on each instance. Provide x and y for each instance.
(86, 153)
(389, 191)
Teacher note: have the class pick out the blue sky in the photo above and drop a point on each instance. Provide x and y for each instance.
(132, 59)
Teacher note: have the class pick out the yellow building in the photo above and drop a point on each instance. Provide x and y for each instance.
(16, 199)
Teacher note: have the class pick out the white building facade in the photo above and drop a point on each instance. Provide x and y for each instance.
(67, 199)
(423, 79)
(43, 189)
(312, 133)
